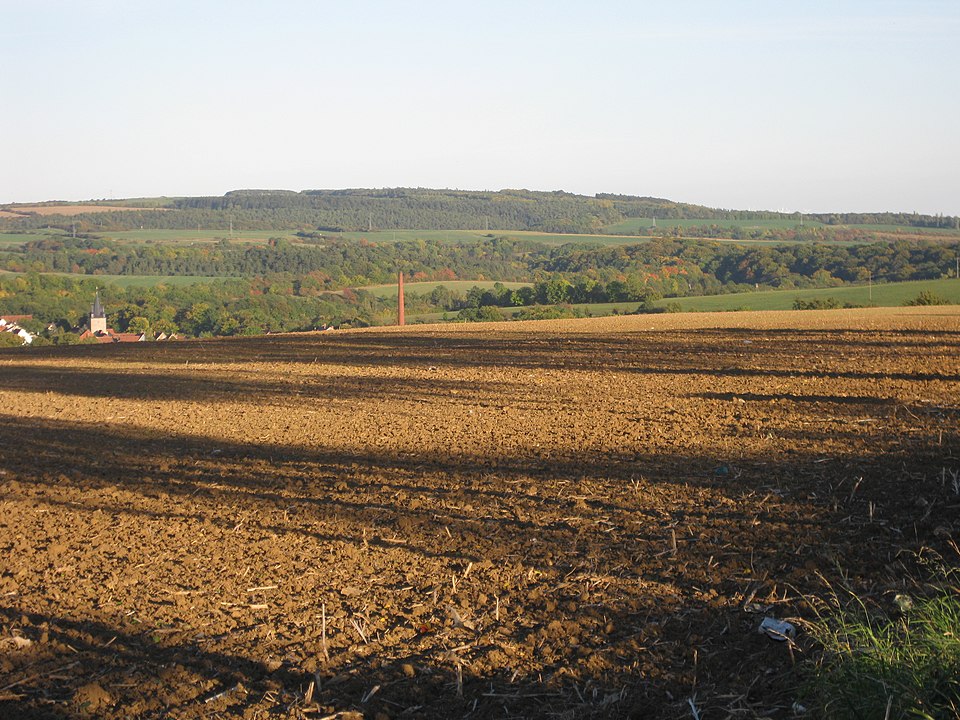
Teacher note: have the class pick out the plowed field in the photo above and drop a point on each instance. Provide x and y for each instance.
(560, 519)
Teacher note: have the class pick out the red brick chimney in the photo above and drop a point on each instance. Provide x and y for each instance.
(400, 319)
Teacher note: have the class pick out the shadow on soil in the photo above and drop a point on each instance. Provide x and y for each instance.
(591, 586)
(627, 587)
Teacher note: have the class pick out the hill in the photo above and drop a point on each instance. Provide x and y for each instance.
(276, 260)
(356, 210)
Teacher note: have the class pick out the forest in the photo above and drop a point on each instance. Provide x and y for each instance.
(326, 264)
(283, 286)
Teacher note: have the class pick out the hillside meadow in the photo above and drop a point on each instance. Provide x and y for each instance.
(423, 288)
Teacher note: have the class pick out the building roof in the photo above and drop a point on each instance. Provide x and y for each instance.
(112, 336)
(97, 309)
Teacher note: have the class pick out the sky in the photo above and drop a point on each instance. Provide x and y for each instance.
(796, 105)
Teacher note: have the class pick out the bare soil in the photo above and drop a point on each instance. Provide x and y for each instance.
(559, 519)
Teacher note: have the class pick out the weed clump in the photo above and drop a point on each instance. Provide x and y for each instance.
(901, 663)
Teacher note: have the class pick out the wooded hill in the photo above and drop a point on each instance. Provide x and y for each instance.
(309, 277)
(426, 209)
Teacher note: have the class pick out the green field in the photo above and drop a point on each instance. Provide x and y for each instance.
(640, 226)
(13, 239)
(153, 280)
(563, 239)
(156, 236)
(903, 229)
(632, 231)
(881, 294)
(144, 203)
(471, 236)
(634, 226)
(135, 280)
(422, 288)
(196, 236)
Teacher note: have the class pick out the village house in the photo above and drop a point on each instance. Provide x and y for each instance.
(9, 324)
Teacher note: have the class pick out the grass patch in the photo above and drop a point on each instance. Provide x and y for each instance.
(881, 295)
(422, 288)
(452, 237)
(195, 236)
(902, 662)
(639, 225)
(14, 239)
(467, 237)
(154, 280)
(136, 280)
(903, 229)
(564, 239)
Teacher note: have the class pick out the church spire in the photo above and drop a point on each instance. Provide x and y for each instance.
(97, 310)
(98, 318)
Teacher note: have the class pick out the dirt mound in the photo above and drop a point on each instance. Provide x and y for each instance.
(564, 519)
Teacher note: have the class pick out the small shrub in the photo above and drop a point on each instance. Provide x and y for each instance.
(825, 303)
(927, 298)
(10, 340)
(486, 313)
(548, 312)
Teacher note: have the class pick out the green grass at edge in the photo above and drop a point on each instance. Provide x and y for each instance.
(898, 661)
(881, 294)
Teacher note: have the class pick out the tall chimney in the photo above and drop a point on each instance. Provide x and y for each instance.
(400, 319)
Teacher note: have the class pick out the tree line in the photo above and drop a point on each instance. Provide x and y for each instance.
(297, 286)
(676, 266)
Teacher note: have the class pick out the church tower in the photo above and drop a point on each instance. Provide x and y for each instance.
(98, 318)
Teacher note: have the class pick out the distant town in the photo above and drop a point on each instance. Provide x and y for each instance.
(94, 331)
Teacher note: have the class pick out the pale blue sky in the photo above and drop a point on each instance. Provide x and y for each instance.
(846, 105)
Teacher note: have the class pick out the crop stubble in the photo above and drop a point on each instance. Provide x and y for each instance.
(538, 519)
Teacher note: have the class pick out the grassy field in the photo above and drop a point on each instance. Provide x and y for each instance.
(422, 288)
(196, 236)
(629, 232)
(14, 239)
(881, 295)
(471, 236)
(153, 280)
(135, 280)
(639, 226)
(633, 226)
(904, 229)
